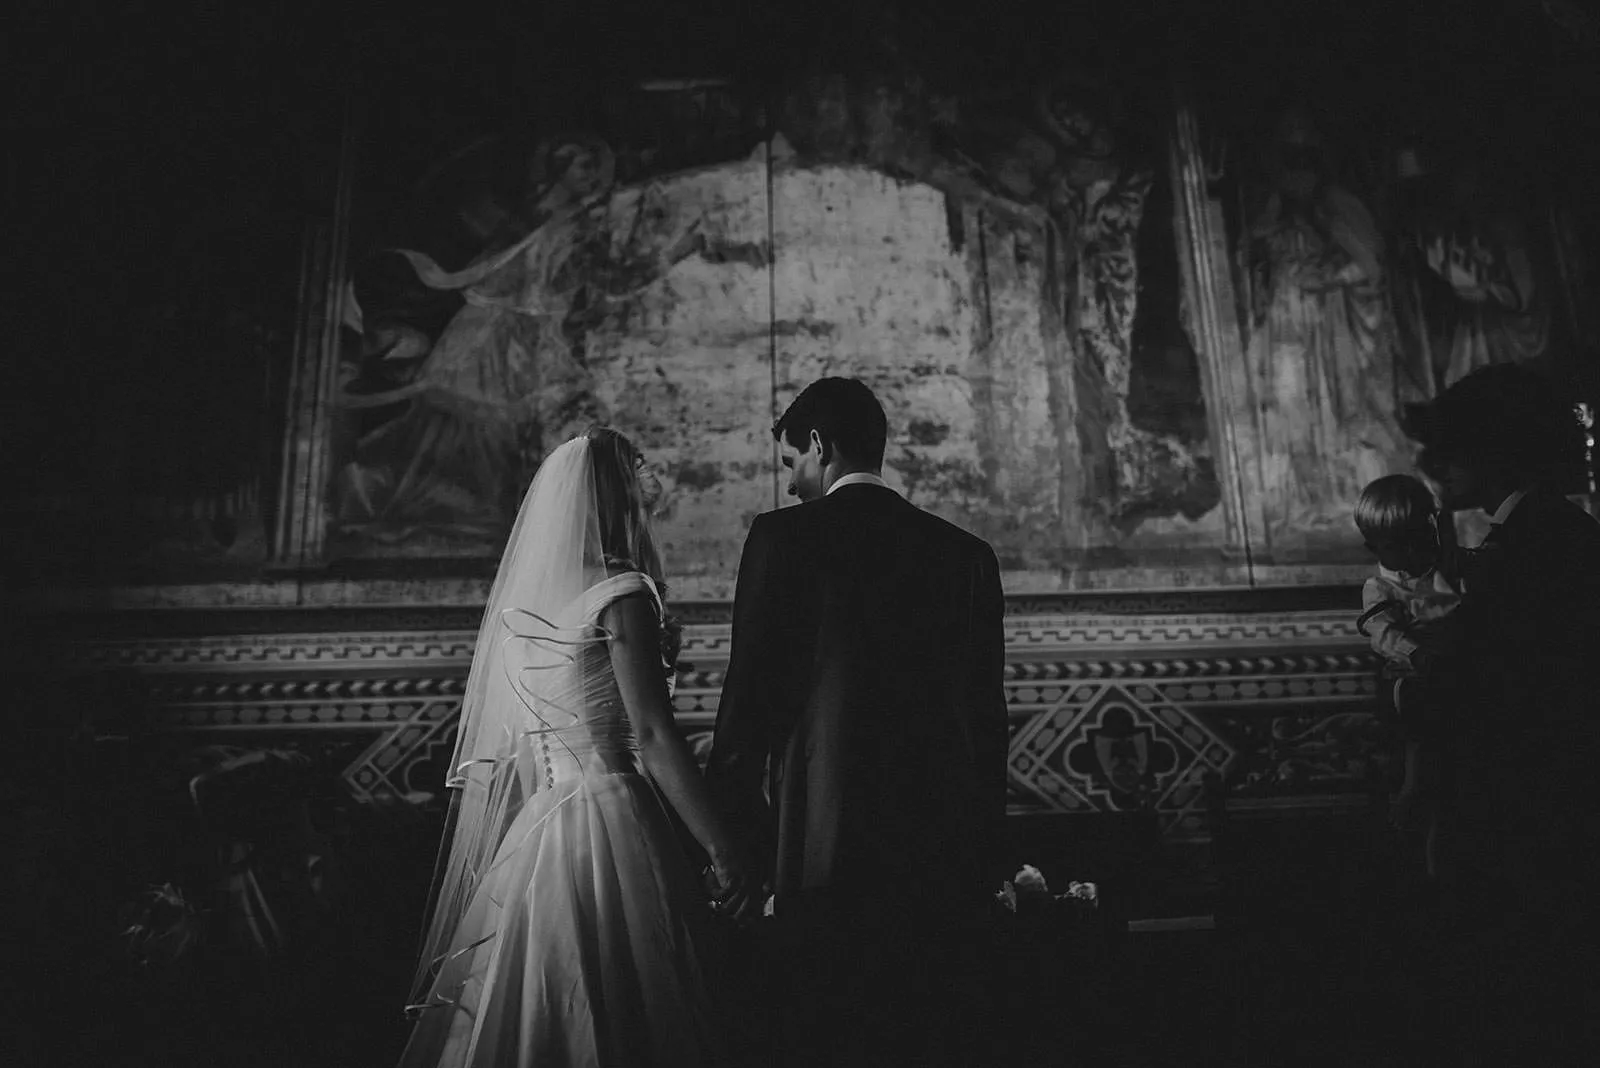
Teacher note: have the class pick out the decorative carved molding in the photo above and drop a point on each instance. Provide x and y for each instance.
(1244, 710)
(395, 599)
(1073, 637)
(235, 652)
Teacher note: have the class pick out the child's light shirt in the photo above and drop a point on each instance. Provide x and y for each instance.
(1394, 604)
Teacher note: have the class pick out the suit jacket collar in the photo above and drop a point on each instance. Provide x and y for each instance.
(858, 478)
(1507, 506)
(1532, 509)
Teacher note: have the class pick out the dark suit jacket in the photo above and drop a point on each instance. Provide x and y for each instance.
(1521, 713)
(867, 659)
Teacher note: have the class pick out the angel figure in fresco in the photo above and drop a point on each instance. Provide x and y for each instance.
(508, 375)
(1466, 292)
(1317, 350)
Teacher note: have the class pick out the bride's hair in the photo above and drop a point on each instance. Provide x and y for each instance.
(625, 536)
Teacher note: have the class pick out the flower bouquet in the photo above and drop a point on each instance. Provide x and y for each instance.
(1046, 944)
(1027, 893)
(1038, 930)
(1052, 952)
(162, 927)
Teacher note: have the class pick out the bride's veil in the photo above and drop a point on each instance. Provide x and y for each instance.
(553, 555)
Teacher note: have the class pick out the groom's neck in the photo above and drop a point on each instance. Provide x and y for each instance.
(836, 472)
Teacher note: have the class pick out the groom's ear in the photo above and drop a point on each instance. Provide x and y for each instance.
(824, 452)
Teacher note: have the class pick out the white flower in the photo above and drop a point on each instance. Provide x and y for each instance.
(1031, 881)
(1083, 892)
(1007, 896)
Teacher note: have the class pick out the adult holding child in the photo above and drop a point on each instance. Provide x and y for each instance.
(1520, 813)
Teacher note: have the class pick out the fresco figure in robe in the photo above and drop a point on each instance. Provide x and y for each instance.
(507, 377)
(1318, 346)
(1466, 291)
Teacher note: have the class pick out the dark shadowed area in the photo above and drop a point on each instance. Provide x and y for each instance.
(302, 295)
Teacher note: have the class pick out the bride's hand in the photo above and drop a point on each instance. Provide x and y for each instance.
(1403, 809)
(738, 890)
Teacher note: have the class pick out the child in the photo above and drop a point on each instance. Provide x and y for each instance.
(1406, 609)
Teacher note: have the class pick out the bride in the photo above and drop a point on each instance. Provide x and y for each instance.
(562, 931)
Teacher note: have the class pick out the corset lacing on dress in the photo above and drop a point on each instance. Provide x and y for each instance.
(579, 729)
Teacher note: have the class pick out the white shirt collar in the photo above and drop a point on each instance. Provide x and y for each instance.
(858, 478)
(1506, 506)
(1400, 578)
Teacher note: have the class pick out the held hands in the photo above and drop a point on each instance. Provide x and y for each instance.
(735, 889)
(1403, 809)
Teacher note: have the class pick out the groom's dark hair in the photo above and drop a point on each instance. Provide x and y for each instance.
(845, 415)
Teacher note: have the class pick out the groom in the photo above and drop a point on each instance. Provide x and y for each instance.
(864, 692)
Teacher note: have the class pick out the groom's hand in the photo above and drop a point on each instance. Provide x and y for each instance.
(738, 890)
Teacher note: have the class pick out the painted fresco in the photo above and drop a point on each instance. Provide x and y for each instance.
(1042, 278)
(1140, 318)
(1005, 275)
(1002, 268)
(1318, 341)
(1477, 279)
(513, 372)
(1002, 263)
(582, 297)
(1012, 247)
(1371, 274)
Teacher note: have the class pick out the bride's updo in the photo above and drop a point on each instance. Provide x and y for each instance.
(625, 536)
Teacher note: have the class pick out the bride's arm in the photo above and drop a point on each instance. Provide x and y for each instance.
(636, 659)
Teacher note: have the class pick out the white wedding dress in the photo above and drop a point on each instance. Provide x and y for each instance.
(575, 948)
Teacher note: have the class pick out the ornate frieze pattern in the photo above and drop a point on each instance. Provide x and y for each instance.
(236, 652)
(1108, 710)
